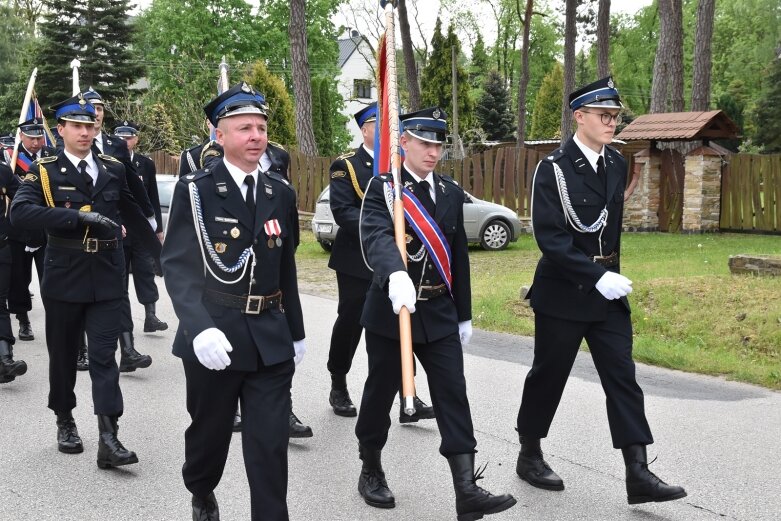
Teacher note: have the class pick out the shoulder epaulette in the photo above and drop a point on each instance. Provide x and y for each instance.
(211, 149)
(555, 155)
(194, 176)
(449, 179)
(277, 145)
(351, 153)
(107, 157)
(47, 159)
(279, 178)
(614, 149)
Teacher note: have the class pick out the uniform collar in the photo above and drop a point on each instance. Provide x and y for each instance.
(590, 155)
(368, 150)
(92, 168)
(238, 176)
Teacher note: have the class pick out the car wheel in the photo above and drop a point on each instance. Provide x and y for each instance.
(326, 245)
(496, 236)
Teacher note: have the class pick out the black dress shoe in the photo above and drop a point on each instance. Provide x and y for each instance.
(341, 403)
(237, 421)
(533, 469)
(298, 429)
(422, 411)
(206, 509)
(26, 331)
(68, 440)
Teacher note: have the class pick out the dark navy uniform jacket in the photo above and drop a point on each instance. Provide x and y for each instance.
(147, 173)
(203, 153)
(269, 335)
(32, 238)
(73, 275)
(350, 174)
(565, 279)
(9, 184)
(433, 319)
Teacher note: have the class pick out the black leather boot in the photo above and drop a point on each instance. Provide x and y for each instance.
(237, 420)
(130, 359)
(10, 368)
(151, 322)
(206, 509)
(298, 429)
(642, 485)
(533, 469)
(473, 502)
(82, 361)
(111, 452)
(25, 328)
(340, 397)
(68, 439)
(371, 484)
(422, 411)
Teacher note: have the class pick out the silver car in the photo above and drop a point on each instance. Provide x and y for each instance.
(165, 189)
(492, 225)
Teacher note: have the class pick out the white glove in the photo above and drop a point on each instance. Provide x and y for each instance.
(152, 222)
(29, 249)
(465, 332)
(212, 348)
(613, 285)
(300, 348)
(401, 291)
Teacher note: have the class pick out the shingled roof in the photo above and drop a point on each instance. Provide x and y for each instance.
(680, 126)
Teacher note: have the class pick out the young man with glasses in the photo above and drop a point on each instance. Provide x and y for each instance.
(578, 293)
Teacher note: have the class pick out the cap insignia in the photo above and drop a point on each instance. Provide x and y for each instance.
(610, 83)
(436, 114)
(245, 88)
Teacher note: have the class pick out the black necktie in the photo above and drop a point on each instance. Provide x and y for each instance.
(87, 178)
(250, 195)
(425, 197)
(601, 171)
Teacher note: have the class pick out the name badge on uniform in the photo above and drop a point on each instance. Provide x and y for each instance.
(269, 191)
(274, 231)
(222, 188)
(226, 220)
(66, 188)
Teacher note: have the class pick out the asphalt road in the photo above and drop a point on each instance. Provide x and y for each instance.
(721, 440)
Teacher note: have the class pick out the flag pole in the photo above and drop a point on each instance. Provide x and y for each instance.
(224, 74)
(75, 64)
(405, 328)
(23, 117)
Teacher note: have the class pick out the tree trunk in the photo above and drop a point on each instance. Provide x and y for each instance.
(410, 67)
(523, 80)
(570, 34)
(302, 85)
(668, 65)
(603, 39)
(702, 56)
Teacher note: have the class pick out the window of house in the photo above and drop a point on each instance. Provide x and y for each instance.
(362, 88)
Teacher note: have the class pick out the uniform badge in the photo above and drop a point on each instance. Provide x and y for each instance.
(610, 83)
(220, 247)
(235, 232)
(442, 186)
(269, 190)
(67, 204)
(337, 175)
(222, 188)
(245, 88)
(407, 184)
(436, 114)
(86, 208)
(274, 231)
(408, 238)
(30, 177)
(189, 176)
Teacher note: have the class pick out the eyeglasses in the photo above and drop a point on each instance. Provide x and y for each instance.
(606, 118)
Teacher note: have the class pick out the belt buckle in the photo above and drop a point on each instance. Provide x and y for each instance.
(254, 304)
(420, 293)
(91, 245)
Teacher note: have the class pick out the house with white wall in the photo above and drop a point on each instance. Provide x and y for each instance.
(356, 81)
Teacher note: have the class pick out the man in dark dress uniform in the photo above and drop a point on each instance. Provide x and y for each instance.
(229, 266)
(9, 368)
(435, 288)
(77, 196)
(578, 292)
(275, 160)
(26, 246)
(116, 147)
(137, 259)
(350, 174)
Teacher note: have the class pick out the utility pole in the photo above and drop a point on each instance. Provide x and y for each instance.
(458, 148)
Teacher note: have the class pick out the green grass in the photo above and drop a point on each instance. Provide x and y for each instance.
(689, 312)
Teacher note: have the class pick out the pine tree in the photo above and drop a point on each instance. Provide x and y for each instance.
(104, 39)
(479, 63)
(281, 115)
(437, 76)
(493, 109)
(57, 49)
(768, 111)
(546, 118)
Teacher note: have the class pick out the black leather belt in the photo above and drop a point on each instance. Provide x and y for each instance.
(249, 304)
(606, 261)
(89, 244)
(429, 292)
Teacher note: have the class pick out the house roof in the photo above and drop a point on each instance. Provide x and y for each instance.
(347, 47)
(680, 126)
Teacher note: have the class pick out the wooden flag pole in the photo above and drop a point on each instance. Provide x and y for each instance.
(23, 117)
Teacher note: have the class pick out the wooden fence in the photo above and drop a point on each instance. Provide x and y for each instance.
(751, 194)
(165, 163)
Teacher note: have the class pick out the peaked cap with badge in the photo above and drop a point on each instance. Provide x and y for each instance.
(76, 108)
(239, 99)
(127, 129)
(602, 93)
(32, 127)
(367, 114)
(429, 124)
